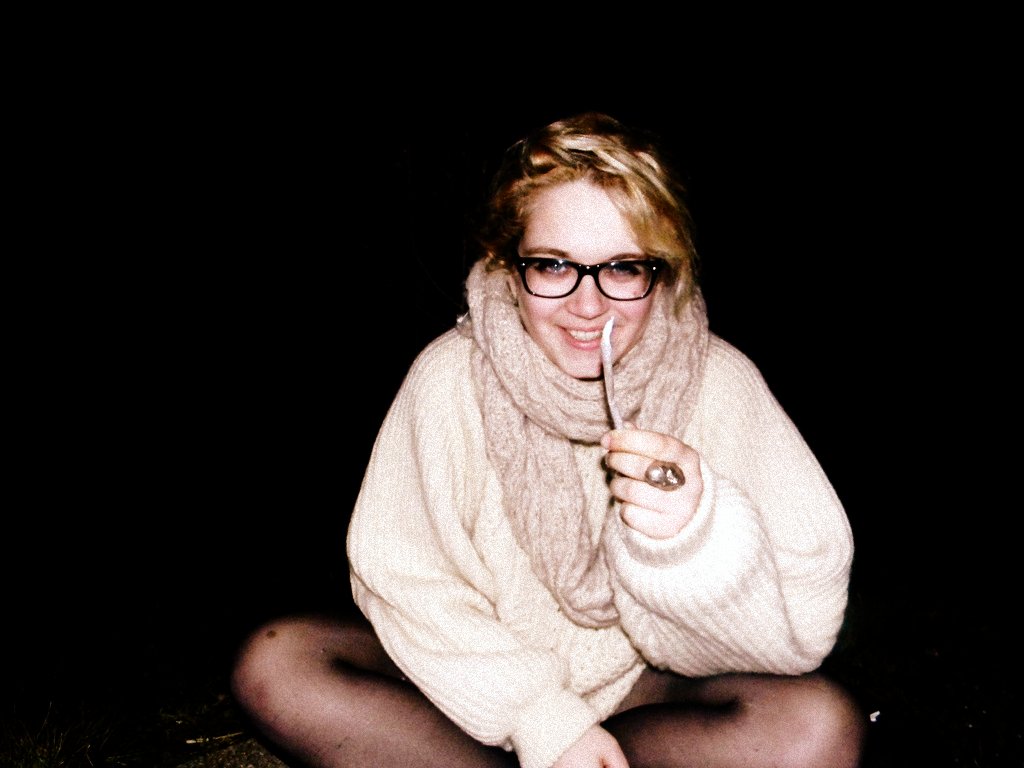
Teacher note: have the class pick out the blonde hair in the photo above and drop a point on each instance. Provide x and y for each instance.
(624, 163)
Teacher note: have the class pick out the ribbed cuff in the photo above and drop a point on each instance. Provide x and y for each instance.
(549, 727)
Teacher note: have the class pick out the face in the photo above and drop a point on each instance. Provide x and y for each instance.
(578, 221)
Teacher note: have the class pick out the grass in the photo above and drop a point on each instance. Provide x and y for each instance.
(136, 690)
(110, 734)
(56, 741)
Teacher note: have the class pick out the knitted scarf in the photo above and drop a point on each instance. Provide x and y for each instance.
(533, 412)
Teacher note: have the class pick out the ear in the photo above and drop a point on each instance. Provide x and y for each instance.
(513, 287)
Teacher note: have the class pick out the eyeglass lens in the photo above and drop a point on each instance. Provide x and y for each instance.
(554, 278)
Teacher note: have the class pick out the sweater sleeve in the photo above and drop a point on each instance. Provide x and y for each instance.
(758, 580)
(429, 594)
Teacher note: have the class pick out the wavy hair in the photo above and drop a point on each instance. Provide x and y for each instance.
(623, 162)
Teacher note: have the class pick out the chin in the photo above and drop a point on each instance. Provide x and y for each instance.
(578, 363)
(581, 370)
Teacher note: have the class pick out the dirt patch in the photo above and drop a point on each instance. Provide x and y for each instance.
(246, 754)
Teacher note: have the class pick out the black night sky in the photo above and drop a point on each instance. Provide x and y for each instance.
(247, 269)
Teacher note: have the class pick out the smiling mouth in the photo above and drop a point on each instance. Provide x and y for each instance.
(585, 335)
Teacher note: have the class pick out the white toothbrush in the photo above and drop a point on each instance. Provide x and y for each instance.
(606, 367)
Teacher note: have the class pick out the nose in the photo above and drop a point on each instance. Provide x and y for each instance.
(587, 300)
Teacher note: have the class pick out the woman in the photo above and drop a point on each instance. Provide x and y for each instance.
(545, 590)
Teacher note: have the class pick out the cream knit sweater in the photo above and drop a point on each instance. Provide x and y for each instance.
(757, 582)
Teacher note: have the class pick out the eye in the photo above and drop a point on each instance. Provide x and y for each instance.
(552, 267)
(625, 269)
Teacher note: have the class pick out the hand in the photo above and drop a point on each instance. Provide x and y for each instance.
(652, 511)
(596, 748)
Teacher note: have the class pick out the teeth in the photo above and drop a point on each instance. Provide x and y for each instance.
(585, 335)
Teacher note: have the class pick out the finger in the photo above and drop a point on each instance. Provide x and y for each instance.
(630, 464)
(639, 466)
(651, 523)
(642, 494)
(645, 442)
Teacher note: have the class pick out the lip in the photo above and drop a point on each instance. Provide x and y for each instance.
(585, 345)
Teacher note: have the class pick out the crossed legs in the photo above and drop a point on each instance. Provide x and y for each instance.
(326, 693)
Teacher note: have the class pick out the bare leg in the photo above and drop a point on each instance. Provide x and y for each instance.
(738, 720)
(326, 693)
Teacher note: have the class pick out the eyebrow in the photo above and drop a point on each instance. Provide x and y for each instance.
(560, 254)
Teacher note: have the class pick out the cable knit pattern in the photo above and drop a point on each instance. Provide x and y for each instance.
(533, 410)
(756, 582)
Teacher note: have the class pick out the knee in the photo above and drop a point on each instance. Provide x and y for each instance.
(260, 663)
(287, 659)
(828, 727)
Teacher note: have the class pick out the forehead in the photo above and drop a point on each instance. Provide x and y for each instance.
(578, 218)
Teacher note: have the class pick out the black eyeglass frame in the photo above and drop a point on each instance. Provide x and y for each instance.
(586, 269)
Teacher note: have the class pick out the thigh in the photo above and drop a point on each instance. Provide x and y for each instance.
(311, 642)
(656, 686)
(738, 719)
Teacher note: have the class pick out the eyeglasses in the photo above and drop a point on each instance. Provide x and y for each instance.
(619, 280)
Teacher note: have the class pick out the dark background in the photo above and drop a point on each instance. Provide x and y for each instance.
(247, 259)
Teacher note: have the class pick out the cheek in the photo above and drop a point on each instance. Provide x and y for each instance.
(534, 313)
(638, 317)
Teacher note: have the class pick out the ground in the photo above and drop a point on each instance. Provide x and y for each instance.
(930, 673)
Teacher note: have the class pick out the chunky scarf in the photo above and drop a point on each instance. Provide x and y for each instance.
(533, 412)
